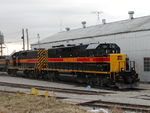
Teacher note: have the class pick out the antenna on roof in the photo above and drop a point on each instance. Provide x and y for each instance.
(97, 14)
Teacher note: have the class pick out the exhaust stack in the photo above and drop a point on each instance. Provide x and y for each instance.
(131, 14)
(84, 24)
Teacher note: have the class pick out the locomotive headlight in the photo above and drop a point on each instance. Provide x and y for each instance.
(122, 69)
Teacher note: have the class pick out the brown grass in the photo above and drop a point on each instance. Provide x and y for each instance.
(32, 104)
(116, 110)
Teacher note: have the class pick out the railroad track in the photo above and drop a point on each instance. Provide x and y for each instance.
(97, 103)
(54, 89)
(22, 93)
(102, 104)
(124, 106)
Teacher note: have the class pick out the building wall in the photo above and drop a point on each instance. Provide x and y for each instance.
(136, 45)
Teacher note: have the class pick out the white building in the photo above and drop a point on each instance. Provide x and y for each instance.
(131, 35)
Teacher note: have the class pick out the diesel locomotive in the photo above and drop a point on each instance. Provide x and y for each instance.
(3, 63)
(97, 64)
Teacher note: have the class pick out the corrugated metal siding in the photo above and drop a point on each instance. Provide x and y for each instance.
(125, 26)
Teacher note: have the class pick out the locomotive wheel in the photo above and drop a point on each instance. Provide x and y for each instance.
(14, 72)
(90, 82)
(9, 72)
(31, 74)
(52, 76)
(44, 74)
(27, 73)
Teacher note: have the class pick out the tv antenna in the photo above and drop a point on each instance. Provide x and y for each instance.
(97, 14)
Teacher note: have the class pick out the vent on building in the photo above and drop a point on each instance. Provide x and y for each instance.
(67, 29)
(103, 21)
(131, 14)
(84, 24)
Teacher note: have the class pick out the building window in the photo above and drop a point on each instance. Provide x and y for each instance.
(147, 64)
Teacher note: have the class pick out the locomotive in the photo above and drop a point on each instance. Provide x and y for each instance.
(3, 63)
(96, 64)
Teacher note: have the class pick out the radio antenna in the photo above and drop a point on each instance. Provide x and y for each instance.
(97, 14)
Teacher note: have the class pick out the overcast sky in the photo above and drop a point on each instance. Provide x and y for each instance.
(48, 17)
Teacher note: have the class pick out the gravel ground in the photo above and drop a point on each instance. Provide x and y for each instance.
(134, 97)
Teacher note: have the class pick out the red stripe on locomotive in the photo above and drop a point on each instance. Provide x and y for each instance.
(85, 59)
(55, 60)
(102, 59)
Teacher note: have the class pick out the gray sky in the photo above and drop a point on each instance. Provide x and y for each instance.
(47, 17)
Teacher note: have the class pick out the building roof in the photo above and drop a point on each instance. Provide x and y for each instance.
(124, 26)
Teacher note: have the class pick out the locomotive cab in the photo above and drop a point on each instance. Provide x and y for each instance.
(123, 73)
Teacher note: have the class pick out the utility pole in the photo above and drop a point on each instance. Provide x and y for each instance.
(38, 36)
(1, 49)
(23, 40)
(1, 43)
(27, 39)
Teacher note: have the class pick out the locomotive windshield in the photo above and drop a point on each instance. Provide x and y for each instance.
(108, 48)
(102, 49)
